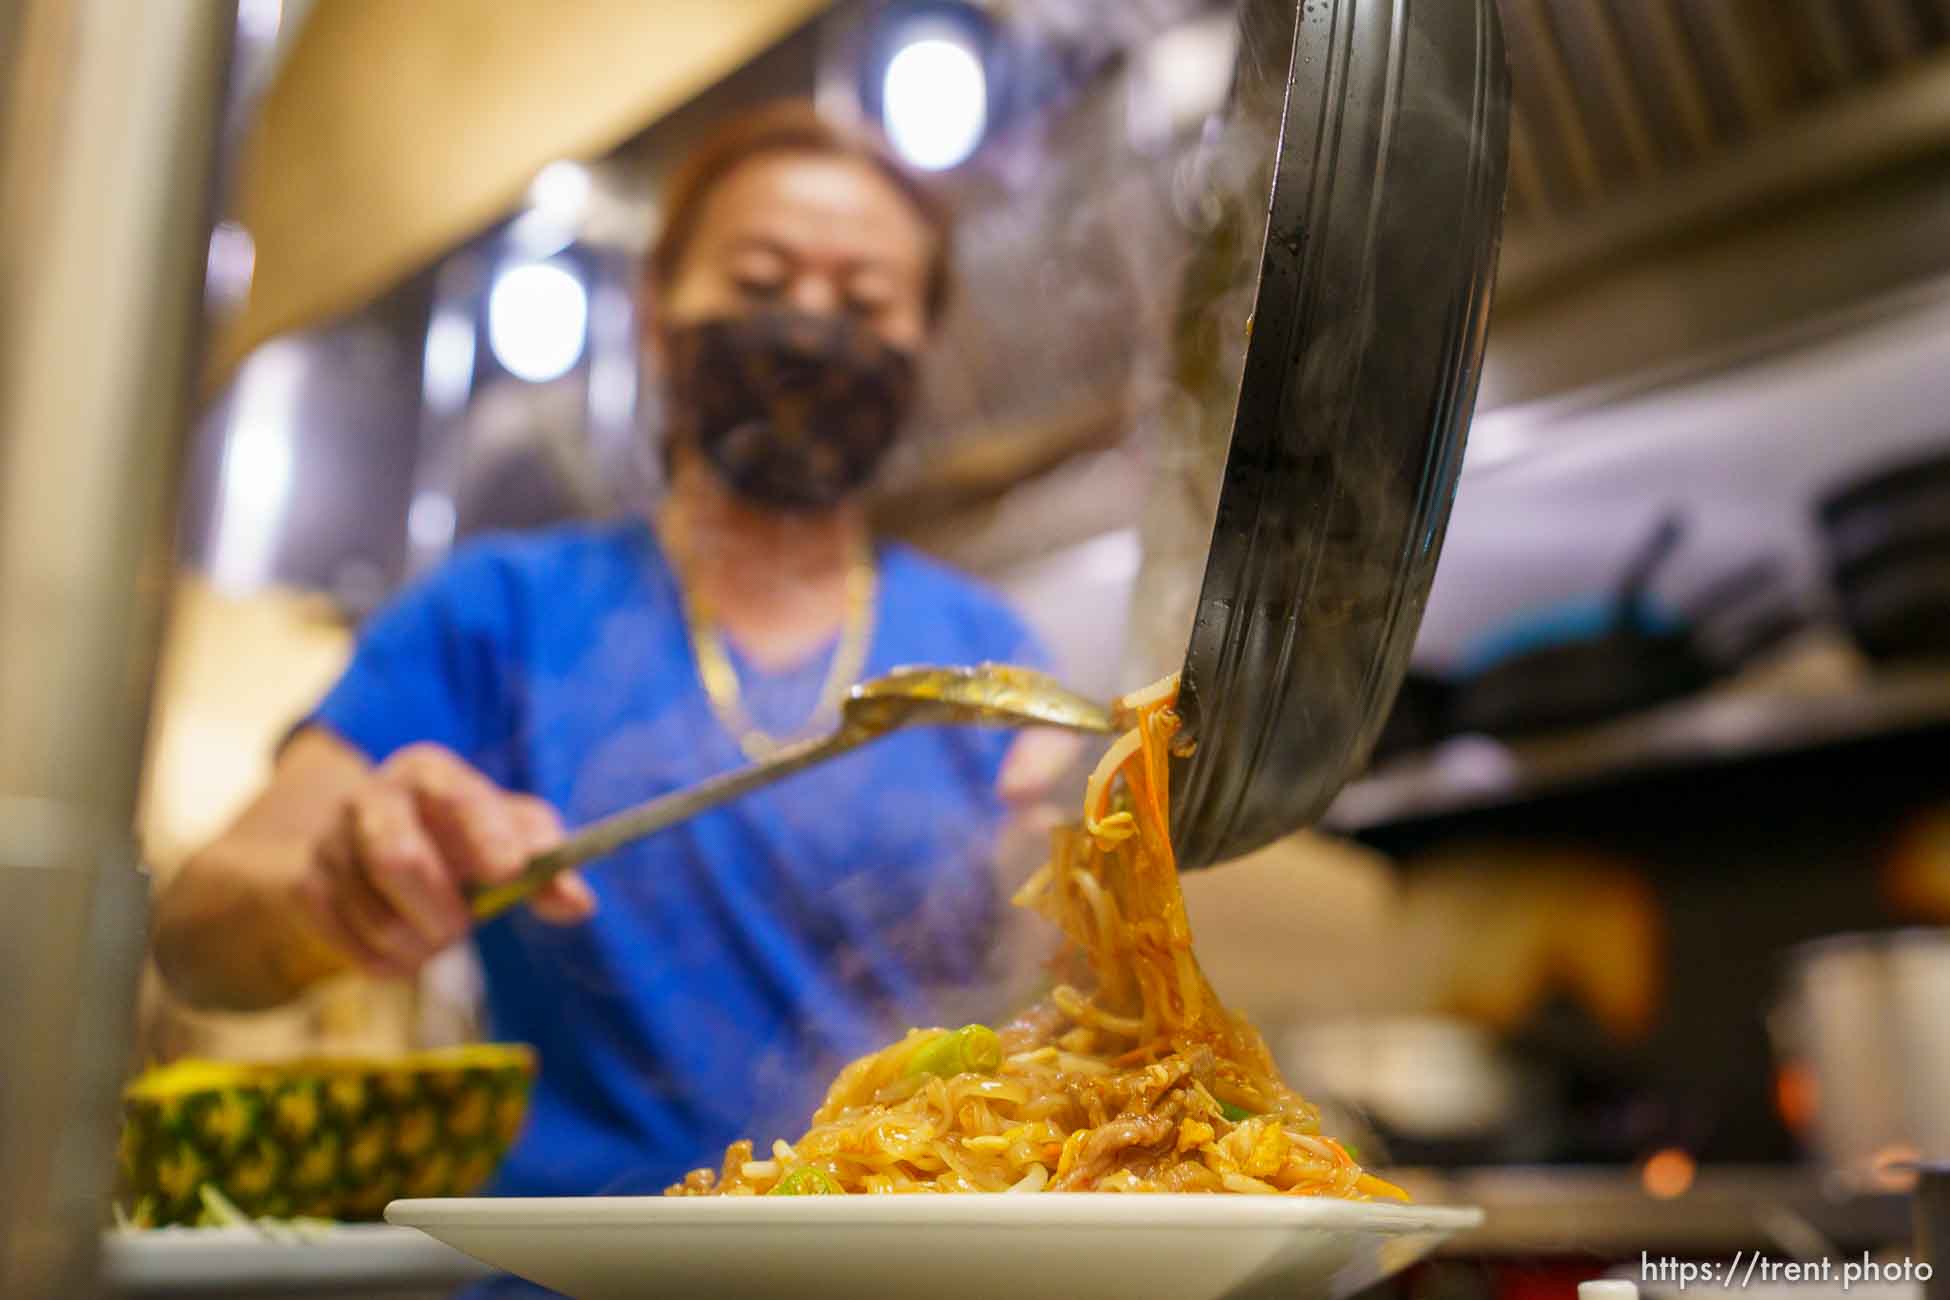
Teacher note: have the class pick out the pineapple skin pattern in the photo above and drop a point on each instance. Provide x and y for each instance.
(322, 1139)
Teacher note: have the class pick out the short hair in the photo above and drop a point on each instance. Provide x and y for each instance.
(789, 127)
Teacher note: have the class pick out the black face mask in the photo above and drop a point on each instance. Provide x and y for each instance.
(793, 410)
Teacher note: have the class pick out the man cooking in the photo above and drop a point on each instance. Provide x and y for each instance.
(704, 983)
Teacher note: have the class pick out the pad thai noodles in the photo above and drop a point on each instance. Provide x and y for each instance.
(1144, 1083)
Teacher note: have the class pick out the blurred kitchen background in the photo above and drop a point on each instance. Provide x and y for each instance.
(1681, 703)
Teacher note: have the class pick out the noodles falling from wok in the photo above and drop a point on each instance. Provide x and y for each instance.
(1144, 1084)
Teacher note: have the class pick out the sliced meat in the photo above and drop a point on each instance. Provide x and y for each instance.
(1098, 1154)
(1138, 1092)
(1186, 1176)
(1203, 1064)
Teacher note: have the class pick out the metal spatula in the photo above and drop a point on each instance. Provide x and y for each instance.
(987, 695)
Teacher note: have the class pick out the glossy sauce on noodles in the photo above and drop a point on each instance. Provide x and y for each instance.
(1144, 1083)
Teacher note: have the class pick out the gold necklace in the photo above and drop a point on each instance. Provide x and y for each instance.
(720, 677)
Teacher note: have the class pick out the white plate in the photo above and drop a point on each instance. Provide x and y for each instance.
(991, 1247)
(348, 1259)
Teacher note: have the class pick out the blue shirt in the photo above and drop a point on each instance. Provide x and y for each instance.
(740, 958)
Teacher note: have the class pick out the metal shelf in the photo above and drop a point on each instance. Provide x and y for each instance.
(1726, 726)
(1602, 1211)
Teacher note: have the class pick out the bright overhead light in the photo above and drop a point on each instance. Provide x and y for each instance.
(560, 189)
(558, 199)
(258, 465)
(536, 235)
(1183, 75)
(934, 100)
(538, 320)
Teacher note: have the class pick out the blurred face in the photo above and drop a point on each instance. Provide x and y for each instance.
(810, 232)
(787, 337)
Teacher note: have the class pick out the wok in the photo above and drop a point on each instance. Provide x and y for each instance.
(1354, 399)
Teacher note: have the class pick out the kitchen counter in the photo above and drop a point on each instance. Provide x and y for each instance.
(1531, 1212)
(1726, 725)
(1553, 1211)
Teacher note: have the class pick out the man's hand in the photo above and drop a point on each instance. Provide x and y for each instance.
(387, 884)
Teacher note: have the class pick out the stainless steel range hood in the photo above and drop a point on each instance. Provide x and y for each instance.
(110, 122)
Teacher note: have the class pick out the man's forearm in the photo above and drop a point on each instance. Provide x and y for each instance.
(226, 936)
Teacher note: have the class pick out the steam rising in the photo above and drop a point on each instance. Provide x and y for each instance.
(1220, 202)
(1168, 250)
(1331, 578)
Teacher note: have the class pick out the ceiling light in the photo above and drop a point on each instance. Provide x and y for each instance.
(934, 96)
(538, 320)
